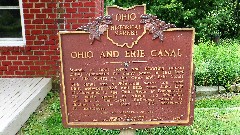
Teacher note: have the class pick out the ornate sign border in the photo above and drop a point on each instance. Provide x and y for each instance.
(153, 123)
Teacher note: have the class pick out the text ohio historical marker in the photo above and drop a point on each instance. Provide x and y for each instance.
(127, 70)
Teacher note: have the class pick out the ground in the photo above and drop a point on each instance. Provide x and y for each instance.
(218, 115)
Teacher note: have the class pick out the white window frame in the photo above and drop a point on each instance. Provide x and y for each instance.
(15, 41)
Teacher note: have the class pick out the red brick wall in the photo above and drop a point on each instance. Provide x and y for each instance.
(43, 19)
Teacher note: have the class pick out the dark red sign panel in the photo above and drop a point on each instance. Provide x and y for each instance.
(145, 85)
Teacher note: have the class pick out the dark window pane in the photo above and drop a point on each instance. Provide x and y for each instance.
(9, 3)
(10, 23)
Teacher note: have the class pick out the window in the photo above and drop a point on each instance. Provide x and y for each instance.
(12, 31)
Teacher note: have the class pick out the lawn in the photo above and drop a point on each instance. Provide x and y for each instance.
(221, 118)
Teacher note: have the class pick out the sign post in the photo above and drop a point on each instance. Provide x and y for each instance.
(127, 70)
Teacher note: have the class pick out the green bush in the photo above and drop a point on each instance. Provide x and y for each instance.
(217, 64)
(220, 21)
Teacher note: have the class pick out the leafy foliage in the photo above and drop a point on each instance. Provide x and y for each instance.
(209, 17)
(219, 21)
(217, 64)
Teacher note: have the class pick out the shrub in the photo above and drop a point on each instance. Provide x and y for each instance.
(220, 21)
(217, 64)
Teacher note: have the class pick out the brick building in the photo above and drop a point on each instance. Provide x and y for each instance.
(34, 51)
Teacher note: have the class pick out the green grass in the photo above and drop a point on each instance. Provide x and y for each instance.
(47, 120)
(219, 102)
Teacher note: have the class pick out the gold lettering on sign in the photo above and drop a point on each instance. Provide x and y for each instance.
(123, 30)
(126, 33)
(125, 27)
(135, 86)
(83, 55)
(126, 17)
(134, 53)
(109, 54)
(168, 53)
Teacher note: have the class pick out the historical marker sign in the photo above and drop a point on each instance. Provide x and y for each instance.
(127, 79)
(126, 28)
